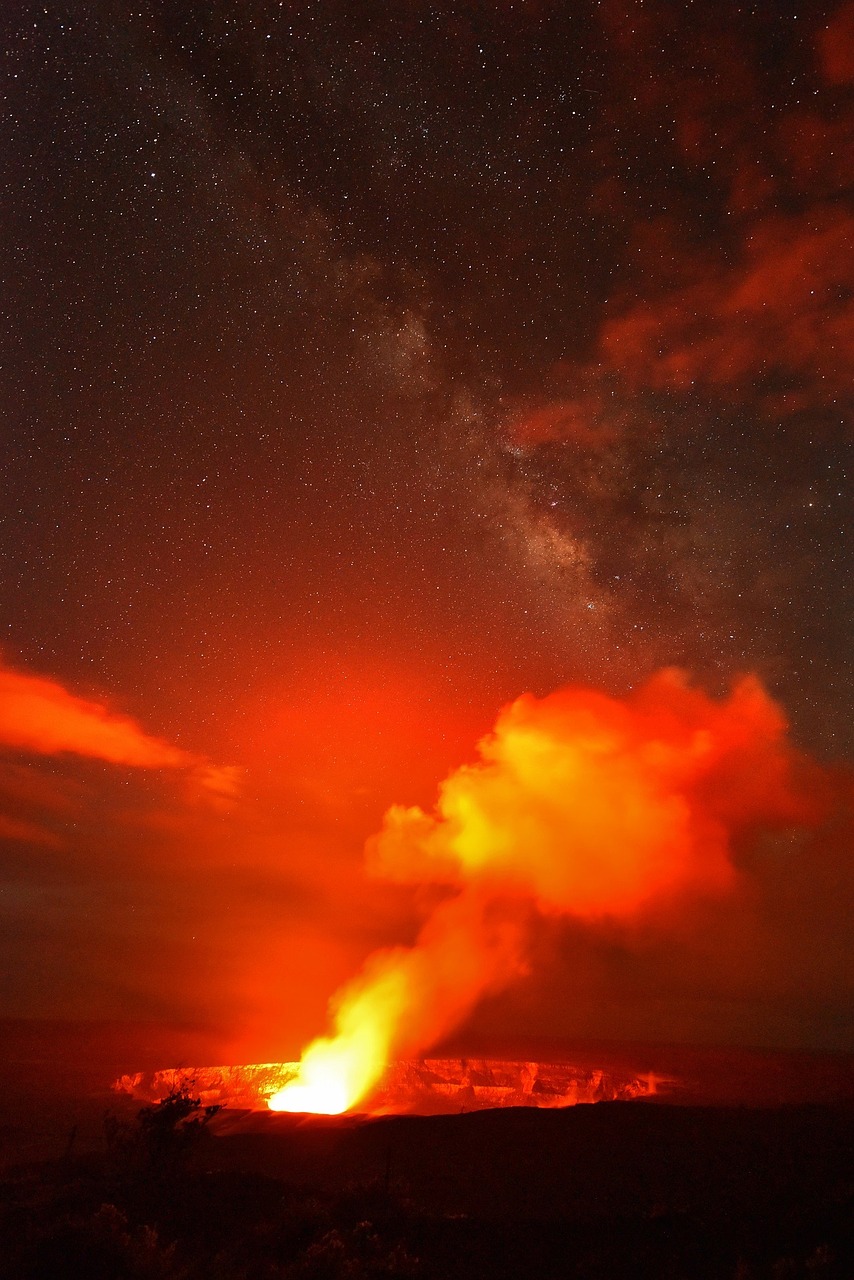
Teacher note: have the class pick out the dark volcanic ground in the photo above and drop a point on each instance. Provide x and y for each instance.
(724, 1190)
(56, 1078)
(613, 1190)
(578, 1164)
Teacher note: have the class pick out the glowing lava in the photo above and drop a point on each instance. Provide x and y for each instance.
(336, 1072)
(425, 1086)
(333, 1075)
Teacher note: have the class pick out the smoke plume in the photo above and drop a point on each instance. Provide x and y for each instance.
(580, 805)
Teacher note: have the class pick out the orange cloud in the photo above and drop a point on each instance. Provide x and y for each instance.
(594, 806)
(39, 715)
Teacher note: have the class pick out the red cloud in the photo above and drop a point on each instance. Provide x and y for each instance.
(39, 715)
(784, 308)
(587, 419)
(27, 832)
(763, 313)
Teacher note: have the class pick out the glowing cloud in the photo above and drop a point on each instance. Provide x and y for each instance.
(580, 805)
(39, 715)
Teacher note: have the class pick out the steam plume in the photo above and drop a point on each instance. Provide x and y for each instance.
(580, 805)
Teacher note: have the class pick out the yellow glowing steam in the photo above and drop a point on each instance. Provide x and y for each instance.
(580, 805)
(328, 1082)
(334, 1074)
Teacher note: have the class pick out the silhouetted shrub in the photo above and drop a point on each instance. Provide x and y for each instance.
(101, 1246)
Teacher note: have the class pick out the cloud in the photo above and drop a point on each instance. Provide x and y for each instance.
(595, 806)
(778, 322)
(586, 418)
(754, 301)
(27, 832)
(729, 202)
(41, 716)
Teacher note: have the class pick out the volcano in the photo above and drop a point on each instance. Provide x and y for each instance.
(429, 1086)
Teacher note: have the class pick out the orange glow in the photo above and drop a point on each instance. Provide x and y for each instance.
(41, 716)
(334, 1074)
(581, 805)
(428, 1086)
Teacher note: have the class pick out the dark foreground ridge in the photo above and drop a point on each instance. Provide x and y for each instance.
(714, 1188)
(618, 1189)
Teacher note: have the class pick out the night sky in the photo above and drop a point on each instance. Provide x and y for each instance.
(362, 370)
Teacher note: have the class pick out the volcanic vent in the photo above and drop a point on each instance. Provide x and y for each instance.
(428, 1086)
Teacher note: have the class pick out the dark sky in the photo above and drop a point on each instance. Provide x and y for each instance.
(361, 370)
